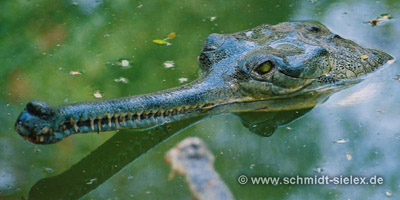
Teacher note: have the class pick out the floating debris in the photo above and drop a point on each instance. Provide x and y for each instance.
(379, 20)
(73, 73)
(318, 170)
(397, 78)
(213, 18)
(169, 64)
(182, 80)
(91, 181)
(106, 35)
(252, 166)
(164, 41)
(121, 80)
(171, 36)
(348, 156)
(364, 57)
(341, 141)
(97, 94)
(49, 170)
(388, 193)
(140, 6)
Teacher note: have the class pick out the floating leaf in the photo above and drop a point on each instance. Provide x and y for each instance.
(121, 80)
(182, 80)
(341, 141)
(160, 42)
(73, 73)
(97, 94)
(171, 35)
(378, 20)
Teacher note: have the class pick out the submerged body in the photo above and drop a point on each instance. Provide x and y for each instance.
(292, 65)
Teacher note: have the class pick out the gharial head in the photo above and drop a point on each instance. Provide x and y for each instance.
(287, 58)
(258, 65)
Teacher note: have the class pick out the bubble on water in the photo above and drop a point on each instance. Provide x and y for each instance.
(169, 64)
(348, 156)
(121, 80)
(97, 94)
(182, 80)
(124, 63)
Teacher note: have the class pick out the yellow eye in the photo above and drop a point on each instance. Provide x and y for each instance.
(264, 68)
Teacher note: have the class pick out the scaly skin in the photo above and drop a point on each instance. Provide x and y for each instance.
(305, 63)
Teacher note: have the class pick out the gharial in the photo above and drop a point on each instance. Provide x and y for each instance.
(286, 66)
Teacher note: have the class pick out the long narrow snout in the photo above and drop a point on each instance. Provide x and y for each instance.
(39, 123)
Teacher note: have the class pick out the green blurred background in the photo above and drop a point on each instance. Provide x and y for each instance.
(42, 42)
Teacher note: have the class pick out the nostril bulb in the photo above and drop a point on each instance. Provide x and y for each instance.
(213, 42)
(38, 108)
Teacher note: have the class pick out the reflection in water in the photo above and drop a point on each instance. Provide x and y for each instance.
(265, 123)
(108, 159)
(126, 146)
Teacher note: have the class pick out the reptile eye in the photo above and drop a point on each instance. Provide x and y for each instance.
(264, 68)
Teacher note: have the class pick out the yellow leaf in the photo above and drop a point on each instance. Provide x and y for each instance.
(364, 57)
(171, 35)
(160, 41)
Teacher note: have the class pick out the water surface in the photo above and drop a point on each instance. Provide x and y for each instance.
(43, 42)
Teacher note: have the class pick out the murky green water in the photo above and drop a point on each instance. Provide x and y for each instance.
(42, 42)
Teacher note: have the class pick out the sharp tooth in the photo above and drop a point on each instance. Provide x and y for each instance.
(41, 138)
(130, 116)
(91, 123)
(45, 130)
(144, 115)
(37, 138)
(122, 118)
(116, 122)
(109, 120)
(98, 124)
(138, 115)
(186, 107)
(64, 127)
(179, 109)
(71, 121)
(51, 131)
(76, 128)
